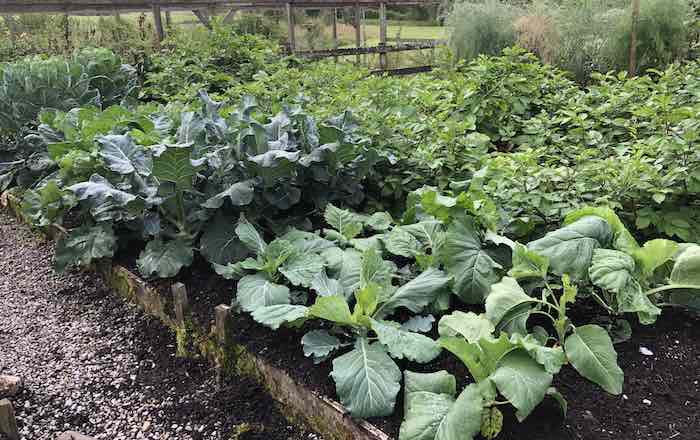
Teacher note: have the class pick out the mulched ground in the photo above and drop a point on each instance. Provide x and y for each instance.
(93, 364)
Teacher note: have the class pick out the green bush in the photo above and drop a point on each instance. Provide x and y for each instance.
(213, 62)
(662, 34)
(481, 27)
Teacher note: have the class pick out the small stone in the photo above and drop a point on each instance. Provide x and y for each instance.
(646, 402)
(146, 426)
(645, 351)
(9, 385)
(624, 397)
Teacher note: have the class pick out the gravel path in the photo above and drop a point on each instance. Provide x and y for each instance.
(93, 364)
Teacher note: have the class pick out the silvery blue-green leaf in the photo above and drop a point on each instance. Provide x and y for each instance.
(439, 382)
(374, 269)
(220, 244)
(173, 165)
(611, 270)
(277, 315)
(307, 241)
(324, 286)
(123, 156)
(333, 257)
(256, 291)
(622, 239)
(556, 395)
(400, 343)
(346, 223)
(240, 194)
(430, 233)
(570, 249)
(551, 358)
(350, 270)
(99, 190)
(367, 380)
(590, 351)
(400, 242)
(250, 237)
(332, 308)
(528, 264)
(419, 323)
(363, 244)
(508, 306)
(463, 420)
(632, 299)
(469, 325)
(522, 381)
(473, 268)
(320, 344)
(379, 221)
(165, 259)
(686, 270)
(301, 269)
(423, 414)
(416, 294)
(83, 245)
(230, 271)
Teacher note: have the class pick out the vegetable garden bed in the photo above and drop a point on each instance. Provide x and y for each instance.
(299, 404)
(660, 400)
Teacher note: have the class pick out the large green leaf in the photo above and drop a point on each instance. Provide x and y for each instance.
(83, 245)
(256, 291)
(473, 268)
(508, 306)
(367, 380)
(432, 413)
(165, 259)
(276, 315)
(220, 244)
(611, 270)
(346, 223)
(429, 232)
(528, 264)
(570, 249)
(173, 165)
(591, 352)
(686, 270)
(469, 325)
(374, 269)
(622, 239)
(240, 194)
(319, 344)
(416, 294)
(400, 343)
(332, 308)
(324, 286)
(121, 155)
(250, 237)
(522, 381)
(654, 254)
(401, 242)
(301, 269)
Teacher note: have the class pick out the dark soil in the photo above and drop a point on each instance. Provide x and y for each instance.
(93, 364)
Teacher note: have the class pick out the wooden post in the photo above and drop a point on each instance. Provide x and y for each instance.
(290, 28)
(8, 423)
(228, 19)
(158, 22)
(222, 323)
(358, 35)
(168, 19)
(334, 23)
(181, 303)
(633, 39)
(203, 18)
(383, 64)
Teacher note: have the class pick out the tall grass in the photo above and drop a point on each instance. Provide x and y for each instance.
(481, 27)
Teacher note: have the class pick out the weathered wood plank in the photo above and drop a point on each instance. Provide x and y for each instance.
(8, 423)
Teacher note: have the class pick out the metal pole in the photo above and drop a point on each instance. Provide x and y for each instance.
(157, 20)
(334, 22)
(358, 35)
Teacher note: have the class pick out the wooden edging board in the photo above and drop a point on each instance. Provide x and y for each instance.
(298, 404)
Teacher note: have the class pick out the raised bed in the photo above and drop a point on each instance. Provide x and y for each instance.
(660, 399)
(217, 343)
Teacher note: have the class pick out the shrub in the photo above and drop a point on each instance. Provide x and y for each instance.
(662, 34)
(213, 63)
(481, 27)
